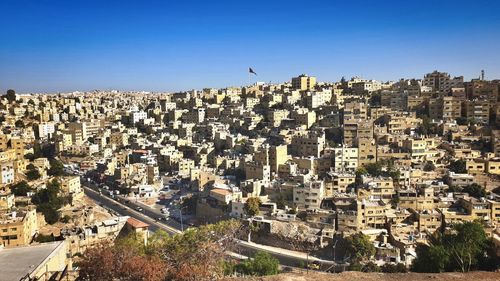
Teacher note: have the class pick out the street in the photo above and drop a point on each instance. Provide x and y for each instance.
(149, 215)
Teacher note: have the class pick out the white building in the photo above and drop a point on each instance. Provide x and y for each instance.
(346, 159)
(45, 130)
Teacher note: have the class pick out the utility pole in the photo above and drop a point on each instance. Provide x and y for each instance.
(307, 263)
(182, 225)
(334, 259)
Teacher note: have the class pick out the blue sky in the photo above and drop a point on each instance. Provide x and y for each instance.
(50, 46)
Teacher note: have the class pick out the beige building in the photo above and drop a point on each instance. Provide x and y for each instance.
(478, 110)
(416, 199)
(71, 185)
(303, 82)
(42, 262)
(17, 228)
(311, 144)
(308, 195)
(6, 199)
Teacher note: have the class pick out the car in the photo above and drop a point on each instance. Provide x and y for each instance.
(314, 265)
(139, 209)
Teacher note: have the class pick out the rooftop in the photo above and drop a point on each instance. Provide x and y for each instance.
(20, 262)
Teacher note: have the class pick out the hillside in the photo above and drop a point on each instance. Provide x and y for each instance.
(359, 276)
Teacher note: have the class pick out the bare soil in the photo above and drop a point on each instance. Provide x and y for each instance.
(359, 276)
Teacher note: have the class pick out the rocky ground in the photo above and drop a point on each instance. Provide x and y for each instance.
(359, 276)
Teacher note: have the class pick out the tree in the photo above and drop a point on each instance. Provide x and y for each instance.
(261, 264)
(56, 168)
(460, 249)
(11, 95)
(461, 121)
(359, 247)
(29, 156)
(434, 258)
(21, 188)
(458, 166)
(190, 204)
(252, 206)
(394, 268)
(374, 169)
(427, 128)
(475, 190)
(106, 262)
(49, 202)
(19, 124)
(33, 174)
(429, 166)
(466, 244)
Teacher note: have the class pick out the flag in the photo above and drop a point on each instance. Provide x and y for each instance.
(250, 70)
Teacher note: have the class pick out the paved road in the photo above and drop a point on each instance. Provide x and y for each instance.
(149, 215)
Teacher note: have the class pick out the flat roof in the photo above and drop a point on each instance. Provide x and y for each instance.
(16, 263)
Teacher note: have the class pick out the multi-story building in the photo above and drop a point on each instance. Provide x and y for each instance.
(7, 173)
(308, 195)
(311, 144)
(303, 82)
(417, 199)
(345, 159)
(478, 110)
(442, 82)
(17, 228)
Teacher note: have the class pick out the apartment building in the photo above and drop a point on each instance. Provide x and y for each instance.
(478, 110)
(303, 82)
(17, 228)
(345, 159)
(308, 195)
(419, 199)
(311, 144)
(442, 81)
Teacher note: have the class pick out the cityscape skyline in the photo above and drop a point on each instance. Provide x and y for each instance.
(61, 47)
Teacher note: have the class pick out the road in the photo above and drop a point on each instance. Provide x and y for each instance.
(149, 215)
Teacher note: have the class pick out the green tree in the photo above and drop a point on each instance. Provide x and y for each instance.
(190, 204)
(460, 249)
(427, 127)
(394, 268)
(461, 121)
(19, 124)
(21, 188)
(359, 247)
(429, 166)
(56, 168)
(475, 190)
(374, 169)
(252, 206)
(11, 95)
(49, 202)
(261, 264)
(33, 174)
(458, 166)
(434, 258)
(466, 244)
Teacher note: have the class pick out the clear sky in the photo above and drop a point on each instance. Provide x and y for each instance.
(66, 45)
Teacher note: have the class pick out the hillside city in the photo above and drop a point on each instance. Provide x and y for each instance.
(304, 175)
